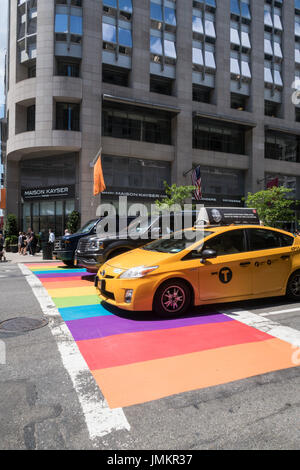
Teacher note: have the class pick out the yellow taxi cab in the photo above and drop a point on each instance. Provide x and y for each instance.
(226, 263)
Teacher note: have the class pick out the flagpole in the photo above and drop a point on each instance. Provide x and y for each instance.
(187, 172)
(93, 163)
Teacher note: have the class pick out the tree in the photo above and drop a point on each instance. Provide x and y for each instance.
(175, 195)
(73, 222)
(273, 205)
(11, 225)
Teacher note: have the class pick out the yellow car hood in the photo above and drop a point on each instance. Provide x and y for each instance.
(138, 257)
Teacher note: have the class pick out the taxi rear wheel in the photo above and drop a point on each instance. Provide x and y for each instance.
(293, 286)
(172, 299)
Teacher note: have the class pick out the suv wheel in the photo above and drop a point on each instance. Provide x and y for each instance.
(173, 298)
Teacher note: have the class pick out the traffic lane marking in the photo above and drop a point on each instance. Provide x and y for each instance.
(285, 333)
(279, 312)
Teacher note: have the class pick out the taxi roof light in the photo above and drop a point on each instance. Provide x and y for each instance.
(219, 216)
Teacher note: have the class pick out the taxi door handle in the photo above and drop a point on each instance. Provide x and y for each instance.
(285, 257)
(245, 264)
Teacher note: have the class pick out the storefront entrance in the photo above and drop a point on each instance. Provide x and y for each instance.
(41, 216)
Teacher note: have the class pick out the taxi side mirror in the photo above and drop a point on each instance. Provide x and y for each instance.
(208, 254)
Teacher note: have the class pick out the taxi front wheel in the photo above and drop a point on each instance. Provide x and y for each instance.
(172, 298)
(293, 286)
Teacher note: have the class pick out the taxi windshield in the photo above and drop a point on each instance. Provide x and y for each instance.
(174, 244)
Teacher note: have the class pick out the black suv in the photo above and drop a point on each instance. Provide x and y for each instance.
(64, 247)
(93, 251)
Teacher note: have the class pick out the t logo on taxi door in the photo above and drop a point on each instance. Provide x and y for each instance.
(225, 275)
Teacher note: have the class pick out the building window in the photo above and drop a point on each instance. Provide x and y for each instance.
(31, 118)
(219, 137)
(203, 52)
(273, 51)
(272, 109)
(225, 186)
(32, 71)
(133, 173)
(68, 116)
(281, 146)
(125, 122)
(163, 34)
(202, 94)
(117, 33)
(161, 85)
(239, 102)
(67, 67)
(115, 75)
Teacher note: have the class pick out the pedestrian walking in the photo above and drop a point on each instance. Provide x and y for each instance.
(31, 242)
(20, 241)
(51, 240)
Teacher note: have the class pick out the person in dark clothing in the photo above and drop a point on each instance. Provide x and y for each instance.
(32, 242)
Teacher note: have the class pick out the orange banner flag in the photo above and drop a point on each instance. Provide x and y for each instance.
(2, 198)
(99, 184)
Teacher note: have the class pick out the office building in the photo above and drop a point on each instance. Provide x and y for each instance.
(160, 86)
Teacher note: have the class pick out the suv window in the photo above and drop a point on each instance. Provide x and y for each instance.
(228, 243)
(261, 239)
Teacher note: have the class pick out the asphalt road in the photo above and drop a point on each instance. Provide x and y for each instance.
(40, 407)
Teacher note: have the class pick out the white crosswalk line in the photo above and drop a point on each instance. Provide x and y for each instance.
(266, 325)
(100, 419)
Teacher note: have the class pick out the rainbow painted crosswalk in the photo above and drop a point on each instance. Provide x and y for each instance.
(136, 358)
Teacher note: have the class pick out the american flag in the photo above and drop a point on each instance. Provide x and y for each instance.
(196, 180)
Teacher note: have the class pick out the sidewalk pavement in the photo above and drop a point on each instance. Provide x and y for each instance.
(15, 258)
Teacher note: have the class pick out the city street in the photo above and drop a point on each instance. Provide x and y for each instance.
(89, 382)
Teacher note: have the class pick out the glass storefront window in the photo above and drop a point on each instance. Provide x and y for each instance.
(26, 216)
(70, 206)
(41, 216)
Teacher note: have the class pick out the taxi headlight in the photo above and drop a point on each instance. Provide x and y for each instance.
(139, 271)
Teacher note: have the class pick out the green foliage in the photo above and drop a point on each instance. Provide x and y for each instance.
(272, 205)
(175, 195)
(11, 225)
(73, 222)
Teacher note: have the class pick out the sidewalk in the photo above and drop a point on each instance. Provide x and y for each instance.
(15, 258)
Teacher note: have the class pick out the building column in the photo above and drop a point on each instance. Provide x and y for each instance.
(140, 75)
(255, 140)
(222, 56)
(91, 107)
(44, 71)
(288, 48)
(183, 123)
